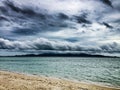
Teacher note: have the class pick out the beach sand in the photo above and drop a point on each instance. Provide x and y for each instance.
(16, 81)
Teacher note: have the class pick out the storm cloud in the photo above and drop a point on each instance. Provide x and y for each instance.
(45, 44)
(61, 25)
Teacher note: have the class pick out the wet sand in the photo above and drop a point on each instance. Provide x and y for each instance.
(17, 81)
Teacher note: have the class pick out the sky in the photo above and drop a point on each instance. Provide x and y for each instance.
(59, 26)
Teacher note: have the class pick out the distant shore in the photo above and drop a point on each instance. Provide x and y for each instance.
(63, 55)
(17, 81)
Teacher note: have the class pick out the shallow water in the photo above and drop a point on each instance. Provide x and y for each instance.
(104, 71)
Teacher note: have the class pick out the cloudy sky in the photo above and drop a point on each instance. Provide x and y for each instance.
(59, 26)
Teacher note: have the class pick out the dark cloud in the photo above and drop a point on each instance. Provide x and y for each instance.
(25, 31)
(82, 19)
(2, 18)
(72, 40)
(72, 25)
(15, 8)
(111, 47)
(63, 16)
(107, 25)
(45, 44)
(107, 2)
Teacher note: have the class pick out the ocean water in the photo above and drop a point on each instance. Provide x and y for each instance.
(104, 71)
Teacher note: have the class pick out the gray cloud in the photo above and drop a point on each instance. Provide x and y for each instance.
(107, 2)
(73, 25)
(45, 44)
(25, 31)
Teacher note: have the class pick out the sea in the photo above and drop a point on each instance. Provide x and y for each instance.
(102, 71)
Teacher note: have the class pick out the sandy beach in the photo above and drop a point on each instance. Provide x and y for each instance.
(16, 81)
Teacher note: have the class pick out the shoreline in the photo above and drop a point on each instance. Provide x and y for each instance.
(20, 81)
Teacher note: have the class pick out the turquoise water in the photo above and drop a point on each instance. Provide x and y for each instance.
(96, 70)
